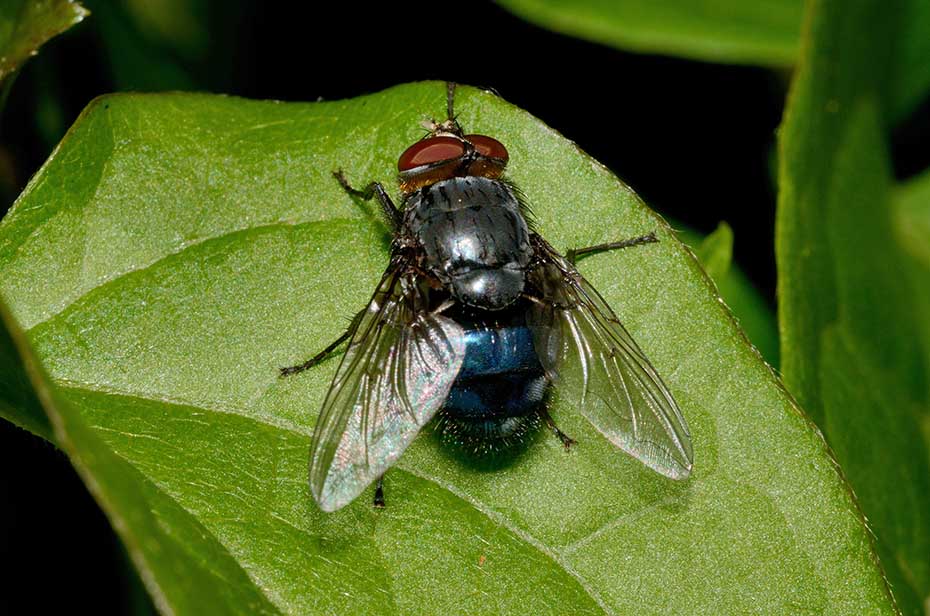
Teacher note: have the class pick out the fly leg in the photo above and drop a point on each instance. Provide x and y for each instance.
(567, 441)
(574, 254)
(288, 371)
(393, 215)
(379, 494)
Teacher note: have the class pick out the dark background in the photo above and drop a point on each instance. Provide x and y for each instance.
(695, 140)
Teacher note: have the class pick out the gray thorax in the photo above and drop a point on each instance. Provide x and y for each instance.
(475, 239)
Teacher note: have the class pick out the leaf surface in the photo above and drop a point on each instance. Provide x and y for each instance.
(733, 31)
(177, 249)
(849, 299)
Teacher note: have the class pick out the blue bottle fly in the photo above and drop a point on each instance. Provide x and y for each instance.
(476, 243)
(473, 320)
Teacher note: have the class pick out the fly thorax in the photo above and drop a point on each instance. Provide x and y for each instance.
(474, 239)
(491, 289)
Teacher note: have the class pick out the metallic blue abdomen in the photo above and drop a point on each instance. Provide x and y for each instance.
(497, 351)
(495, 399)
(500, 377)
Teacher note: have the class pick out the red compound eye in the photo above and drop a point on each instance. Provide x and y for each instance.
(432, 150)
(489, 147)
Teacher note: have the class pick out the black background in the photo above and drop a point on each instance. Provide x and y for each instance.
(695, 140)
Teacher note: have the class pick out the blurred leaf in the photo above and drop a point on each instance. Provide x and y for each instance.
(733, 31)
(50, 119)
(715, 251)
(755, 317)
(178, 249)
(137, 60)
(912, 201)
(847, 309)
(18, 402)
(179, 23)
(26, 24)
(912, 62)
(762, 32)
(157, 45)
(139, 601)
(912, 227)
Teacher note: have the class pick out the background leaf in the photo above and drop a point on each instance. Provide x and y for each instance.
(911, 44)
(158, 45)
(848, 311)
(762, 32)
(18, 402)
(765, 33)
(715, 252)
(26, 24)
(911, 203)
(177, 249)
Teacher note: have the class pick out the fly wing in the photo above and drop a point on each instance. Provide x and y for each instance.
(596, 363)
(394, 376)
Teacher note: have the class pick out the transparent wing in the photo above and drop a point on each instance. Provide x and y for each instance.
(596, 363)
(395, 374)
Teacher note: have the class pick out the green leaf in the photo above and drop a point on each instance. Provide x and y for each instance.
(850, 345)
(178, 248)
(715, 252)
(911, 202)
(912, 227)
(178, 24)
(148, 42)
(26, 24)
(762, 32)
(183, 567)
(912, 49)
(912, 217)
(733, 31)
(18, 402)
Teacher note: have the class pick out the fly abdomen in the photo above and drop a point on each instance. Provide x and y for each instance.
(502, 350)
(495, 399)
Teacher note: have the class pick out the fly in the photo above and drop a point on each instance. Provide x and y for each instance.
(474, 319)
